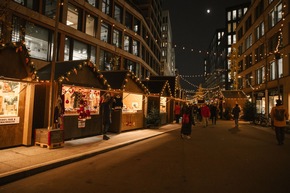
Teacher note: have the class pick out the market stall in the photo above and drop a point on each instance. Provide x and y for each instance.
(175, 89)
(16, 95)
(159, 99)
(125, 87)
(78, 88)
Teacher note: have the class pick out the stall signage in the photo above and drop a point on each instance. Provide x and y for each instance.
(9, 120)
(81, 123)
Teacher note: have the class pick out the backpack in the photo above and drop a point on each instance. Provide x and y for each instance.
(279, 114)
(185, 118)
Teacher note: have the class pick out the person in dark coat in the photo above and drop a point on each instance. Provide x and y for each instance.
(106, 107)
(187, 121)
(213, 113)
(236, 113)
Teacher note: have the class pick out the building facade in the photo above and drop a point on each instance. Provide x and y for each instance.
(217, 63)
(263, 47)
(114, 34)
(167, 50)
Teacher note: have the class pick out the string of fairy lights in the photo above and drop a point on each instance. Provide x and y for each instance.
(255, 87)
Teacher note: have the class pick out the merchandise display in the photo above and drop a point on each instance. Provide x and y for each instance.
(81, 100)
(132, 102)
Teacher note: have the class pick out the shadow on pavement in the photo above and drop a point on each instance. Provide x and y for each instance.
(234, 130)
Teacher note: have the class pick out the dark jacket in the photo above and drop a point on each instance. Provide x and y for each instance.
(236, 112)
(106, 108)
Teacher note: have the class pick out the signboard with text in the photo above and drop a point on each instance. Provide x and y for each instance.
(9, 120)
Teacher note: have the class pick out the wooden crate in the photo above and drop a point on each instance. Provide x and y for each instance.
(51, 146)
(49, 138)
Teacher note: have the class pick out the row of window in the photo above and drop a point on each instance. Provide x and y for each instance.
(275, 70)
(274, 16)
(236, 14)
(260, 52)
(39, 41)
(108, 33)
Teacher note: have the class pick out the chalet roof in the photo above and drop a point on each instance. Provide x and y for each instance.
(160, 87)
(171, 81)
(124, 80)
(61, 69)
(79, 72)
(15, 61)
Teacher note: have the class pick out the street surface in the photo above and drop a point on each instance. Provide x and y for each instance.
(217, 159)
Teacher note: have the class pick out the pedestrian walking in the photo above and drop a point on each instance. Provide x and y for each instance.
(177, 110)
(205, 114)
(236, 113)
(213, 113)
(195, 112)
(187, 121)
(279, 115)
(106, 107)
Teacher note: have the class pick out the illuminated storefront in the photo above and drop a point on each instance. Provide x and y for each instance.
(159, 98)
(129, 96)
(79, 88)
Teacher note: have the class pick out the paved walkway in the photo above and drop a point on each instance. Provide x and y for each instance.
(20, 162)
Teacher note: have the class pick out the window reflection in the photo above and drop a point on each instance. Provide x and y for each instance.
(90, 25)
(135, 47)
(104, 32)
(36, 39)
(106, 60)
(117, 38)
(106, 7)
(94, 3)
(67, 49)
(118, 14)
(80, 51)
(93, 55)
(72, 16)
(50, 8)
(126, 43)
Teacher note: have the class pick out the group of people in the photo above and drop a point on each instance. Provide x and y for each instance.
(190, 114)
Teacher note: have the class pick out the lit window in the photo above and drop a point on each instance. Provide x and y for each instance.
(72, 16)
(80, 51)
(37, 39)
(229, 16)
(126, 43)
(234, 14)
(90, 25)
(117, 38)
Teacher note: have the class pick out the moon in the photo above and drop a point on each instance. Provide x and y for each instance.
(208, 11)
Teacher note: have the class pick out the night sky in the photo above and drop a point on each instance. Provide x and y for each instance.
(193, 29)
